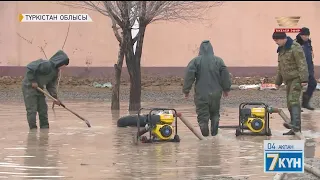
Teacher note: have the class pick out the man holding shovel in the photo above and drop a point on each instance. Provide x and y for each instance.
(212, 80)
(41, 73)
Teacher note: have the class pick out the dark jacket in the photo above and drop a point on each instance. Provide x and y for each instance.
(307, 48)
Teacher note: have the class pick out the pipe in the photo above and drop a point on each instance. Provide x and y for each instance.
(311, 169)
(279, 176)
(135, 138)
(142, 131)
(287, 120)
(189, 125)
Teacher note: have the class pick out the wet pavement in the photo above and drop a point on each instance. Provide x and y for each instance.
(71, 150)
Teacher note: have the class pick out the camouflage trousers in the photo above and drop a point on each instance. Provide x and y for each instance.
(208, 108)
(35, 103)
(294, 90)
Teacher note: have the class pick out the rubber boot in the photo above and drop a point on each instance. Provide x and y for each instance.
(289, 133)
(295, 123)
(33, 127)
(296, 118)
(43, 118)
(288, 126)
(204, 129)
(32, 120)
(305, 101)
(44, 127)
(214, 127)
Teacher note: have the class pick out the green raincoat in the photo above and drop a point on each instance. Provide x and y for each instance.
(45, 73)
(211, 78)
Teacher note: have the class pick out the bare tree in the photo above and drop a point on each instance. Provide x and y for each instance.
(123, 15)
(115, 102)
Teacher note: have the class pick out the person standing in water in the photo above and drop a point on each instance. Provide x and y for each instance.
(41, 73)
(212, 79)
(293, 71)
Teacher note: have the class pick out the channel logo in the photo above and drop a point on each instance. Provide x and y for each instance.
(284, 156)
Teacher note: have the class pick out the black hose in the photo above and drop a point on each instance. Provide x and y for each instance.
(131, 120)
(228, 127)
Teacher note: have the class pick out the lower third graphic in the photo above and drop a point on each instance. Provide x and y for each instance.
(284, 156)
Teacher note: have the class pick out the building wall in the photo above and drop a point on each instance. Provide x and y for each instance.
(239, 31)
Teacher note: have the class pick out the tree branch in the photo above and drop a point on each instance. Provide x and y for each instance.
(109, 8)
(115, 31)
(125, 13)
(180, 10)
(42, 50)
(142, 16)
(60, 71)
(154, 10)
(75, 4)
(30, 42)
(65, 40)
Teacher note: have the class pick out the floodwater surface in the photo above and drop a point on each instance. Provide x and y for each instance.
(71, 150)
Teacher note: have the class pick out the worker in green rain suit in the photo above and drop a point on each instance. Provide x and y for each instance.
(41, 73)
(212, 80)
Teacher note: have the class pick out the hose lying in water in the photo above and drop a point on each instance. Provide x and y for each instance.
(309, 168)
(131, 121)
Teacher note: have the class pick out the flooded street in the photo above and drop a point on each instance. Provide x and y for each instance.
(71, 150)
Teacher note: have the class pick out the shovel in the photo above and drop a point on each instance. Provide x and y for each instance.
(54, 99)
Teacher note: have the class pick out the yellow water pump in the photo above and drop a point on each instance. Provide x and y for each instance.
(163, 129)
(159, 126)
(255, 119)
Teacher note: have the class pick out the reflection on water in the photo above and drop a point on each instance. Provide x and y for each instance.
(71, 150)
(208, 160)
(39, 152)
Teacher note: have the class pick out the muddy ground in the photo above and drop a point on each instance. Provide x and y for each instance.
(162, 90)
(147, 81)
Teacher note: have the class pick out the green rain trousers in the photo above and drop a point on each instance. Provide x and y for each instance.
(211, 77)
(35, 103)
(209, 108)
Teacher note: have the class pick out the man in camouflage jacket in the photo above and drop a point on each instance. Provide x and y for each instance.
(293, 71)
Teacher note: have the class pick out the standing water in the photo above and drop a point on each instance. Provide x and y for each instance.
(71, 150)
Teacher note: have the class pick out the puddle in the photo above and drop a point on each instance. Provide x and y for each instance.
(72, 150)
